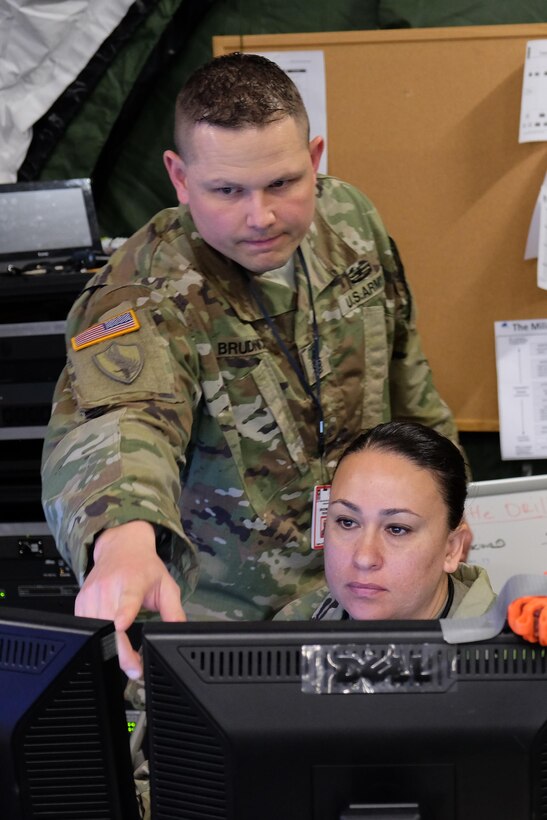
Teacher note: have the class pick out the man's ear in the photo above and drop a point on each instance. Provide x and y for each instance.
(316, 148)
(455, 547)
(176, 168)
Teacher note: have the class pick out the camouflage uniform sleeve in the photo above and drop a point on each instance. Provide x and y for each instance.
(121, 419)
(302, 609)
(414, 396)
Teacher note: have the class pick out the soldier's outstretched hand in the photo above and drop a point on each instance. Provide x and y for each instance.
(527, 616)
(127, 575)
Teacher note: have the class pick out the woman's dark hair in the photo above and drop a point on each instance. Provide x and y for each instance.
(427, 449)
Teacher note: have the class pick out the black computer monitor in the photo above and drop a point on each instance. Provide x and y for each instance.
(64, 743)
(331, 720)
(50, 221)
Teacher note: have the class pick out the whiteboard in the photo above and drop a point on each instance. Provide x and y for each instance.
(508, 518)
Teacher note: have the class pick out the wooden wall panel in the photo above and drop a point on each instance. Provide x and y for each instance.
(426, 122)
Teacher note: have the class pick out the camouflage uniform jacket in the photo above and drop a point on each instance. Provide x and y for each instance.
(197, 422)
(472, 596)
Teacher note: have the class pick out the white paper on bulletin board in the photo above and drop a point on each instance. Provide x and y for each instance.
(508, 518)
(533, 114)
(521, 365)
(307, 71)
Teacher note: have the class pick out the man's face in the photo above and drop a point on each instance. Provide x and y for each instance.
(251, 191)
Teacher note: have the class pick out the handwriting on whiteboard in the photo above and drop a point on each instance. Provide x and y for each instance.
(509, 533)
(498, 544)
(516, 508)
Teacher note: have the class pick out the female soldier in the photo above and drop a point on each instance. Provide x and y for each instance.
(395, 532)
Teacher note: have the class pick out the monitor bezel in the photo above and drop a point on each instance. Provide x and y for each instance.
(57, 668)
(67, 253)
(194, 689)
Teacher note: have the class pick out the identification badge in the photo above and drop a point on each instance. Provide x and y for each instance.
(321, 494)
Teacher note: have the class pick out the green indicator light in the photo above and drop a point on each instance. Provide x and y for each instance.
(131, 725)
(2, 593)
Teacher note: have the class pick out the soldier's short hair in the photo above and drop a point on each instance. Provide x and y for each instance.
(236, 91)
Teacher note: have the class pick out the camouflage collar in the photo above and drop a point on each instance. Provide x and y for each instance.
(330, 253)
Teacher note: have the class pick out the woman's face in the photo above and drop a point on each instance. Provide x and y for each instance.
(388, 545)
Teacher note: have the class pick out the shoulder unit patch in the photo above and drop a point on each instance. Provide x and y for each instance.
(120, 362)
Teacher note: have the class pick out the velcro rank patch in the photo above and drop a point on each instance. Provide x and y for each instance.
(126, 322)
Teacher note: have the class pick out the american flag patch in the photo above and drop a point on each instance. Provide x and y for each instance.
(124, 323)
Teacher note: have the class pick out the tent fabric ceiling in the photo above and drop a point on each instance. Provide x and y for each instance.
(43, 47)
(134, 32)
(96, 79)
(441, 13)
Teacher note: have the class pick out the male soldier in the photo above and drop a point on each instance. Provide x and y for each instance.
(221, 362)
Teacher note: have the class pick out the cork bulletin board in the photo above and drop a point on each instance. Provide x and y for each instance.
(426, 123)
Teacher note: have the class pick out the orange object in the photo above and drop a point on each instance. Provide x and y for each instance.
(527, 616)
